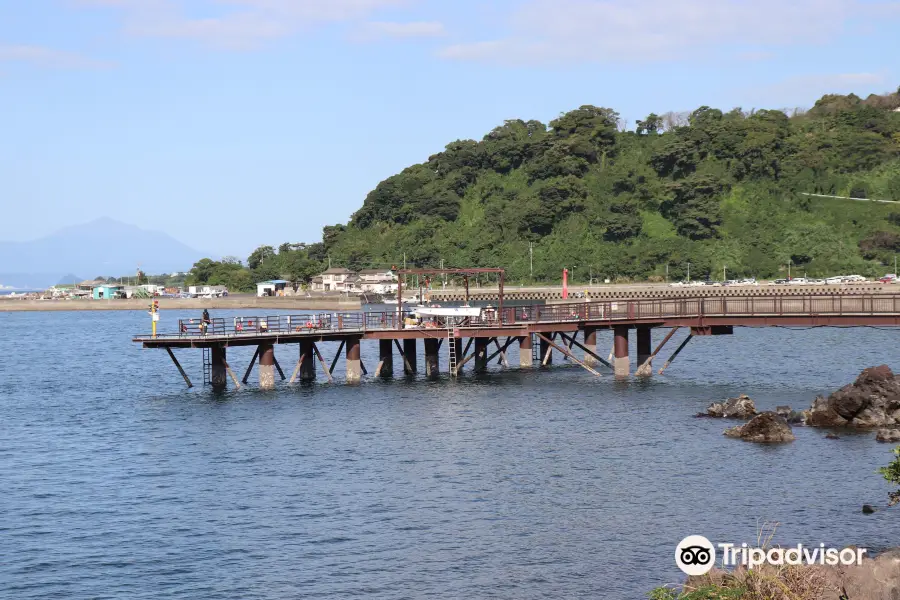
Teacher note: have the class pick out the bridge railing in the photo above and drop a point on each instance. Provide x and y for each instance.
(607, 310)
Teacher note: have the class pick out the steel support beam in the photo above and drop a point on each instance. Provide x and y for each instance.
(644, 344)
(674, 354)
(566, 352)
(622, 364)
(266, 366)
(525, 357)
(354, 364)
(187, 379)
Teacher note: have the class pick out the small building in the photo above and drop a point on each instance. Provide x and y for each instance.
(333, 279)
(107, 291)
(378, 281)
(274, 287)
(89, 285)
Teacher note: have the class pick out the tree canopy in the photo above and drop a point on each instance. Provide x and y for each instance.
(709, 188)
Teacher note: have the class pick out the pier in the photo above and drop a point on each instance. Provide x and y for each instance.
(569, 329)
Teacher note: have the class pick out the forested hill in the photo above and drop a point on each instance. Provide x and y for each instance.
(711, 188)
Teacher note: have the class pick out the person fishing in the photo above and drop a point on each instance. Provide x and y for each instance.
(204, 321)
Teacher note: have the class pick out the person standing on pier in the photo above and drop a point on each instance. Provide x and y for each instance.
(204, 321)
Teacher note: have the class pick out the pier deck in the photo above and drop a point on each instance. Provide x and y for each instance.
(542, 324)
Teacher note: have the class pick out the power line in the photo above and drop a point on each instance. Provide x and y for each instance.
(851, 198)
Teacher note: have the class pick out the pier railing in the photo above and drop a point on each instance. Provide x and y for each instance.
(603, 311)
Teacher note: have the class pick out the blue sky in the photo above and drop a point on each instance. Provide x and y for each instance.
(234, 123)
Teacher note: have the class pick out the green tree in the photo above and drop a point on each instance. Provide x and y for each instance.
(259, 256)
(891, 474)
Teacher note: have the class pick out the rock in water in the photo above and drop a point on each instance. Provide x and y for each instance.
(741, 407)
(888, 435)
(873, 400)
(868, 509)
(766, 428)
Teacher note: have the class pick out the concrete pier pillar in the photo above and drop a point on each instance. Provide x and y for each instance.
(354, 362)
(644, 350)
(266, 366)
(545, 347)
(386, 357)
(590, 342)
(525, 349)
(308, 368)
(481, 354)
(458, 345)
(219, 375)
(622, 365)
(409, 349)
(432, 358)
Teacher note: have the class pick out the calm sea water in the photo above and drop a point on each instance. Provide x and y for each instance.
(117, 482)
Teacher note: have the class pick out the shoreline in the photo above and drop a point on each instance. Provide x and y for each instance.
(226, 303)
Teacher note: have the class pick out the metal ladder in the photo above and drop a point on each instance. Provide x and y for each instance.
(535, 348)
(207, 367)
(451, 352)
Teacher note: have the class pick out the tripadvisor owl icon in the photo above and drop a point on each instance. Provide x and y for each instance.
(695, 555)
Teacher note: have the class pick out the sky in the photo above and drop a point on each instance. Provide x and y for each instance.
(229, 124)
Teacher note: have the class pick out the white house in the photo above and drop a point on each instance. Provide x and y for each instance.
(274, 287)
(378, 281)
(333, 280)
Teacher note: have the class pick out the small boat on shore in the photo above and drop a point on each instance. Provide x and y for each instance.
(447, 311)
(395, 301)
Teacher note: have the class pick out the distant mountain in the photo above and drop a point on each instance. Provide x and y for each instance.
(101, 247)
(69, 278)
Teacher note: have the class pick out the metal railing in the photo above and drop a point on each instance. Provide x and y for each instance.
(597, 311)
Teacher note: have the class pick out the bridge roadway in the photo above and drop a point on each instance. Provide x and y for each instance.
(549, 327)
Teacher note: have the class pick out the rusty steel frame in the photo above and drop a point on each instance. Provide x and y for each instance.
(566, 352)
(587, 351)
(466, 273)
(700, 314)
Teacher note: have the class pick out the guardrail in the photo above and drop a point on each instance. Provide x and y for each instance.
(607, 310)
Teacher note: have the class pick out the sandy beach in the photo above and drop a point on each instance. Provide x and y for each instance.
(232, 302)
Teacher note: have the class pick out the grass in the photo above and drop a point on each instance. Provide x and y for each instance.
(767, 582)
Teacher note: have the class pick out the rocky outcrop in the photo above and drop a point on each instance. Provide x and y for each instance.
(741, 407)
(875, 578)
(888, 435)
(766, 428)
(873, 400)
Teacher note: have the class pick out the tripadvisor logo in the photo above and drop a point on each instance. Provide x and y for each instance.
(695, 555)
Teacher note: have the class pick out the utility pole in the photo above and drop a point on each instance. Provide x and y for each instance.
(667, 272)
(789, 269)
(689, 272)
(724, 277)
(531, 260)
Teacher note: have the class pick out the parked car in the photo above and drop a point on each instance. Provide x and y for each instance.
(835, 280)
(779, 282)
(799, 281)
(889, 278)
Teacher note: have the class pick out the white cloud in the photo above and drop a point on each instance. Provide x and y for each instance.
(656, 30)
(236, 24)
(801, 88)
(42, 56)
(415, 29)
